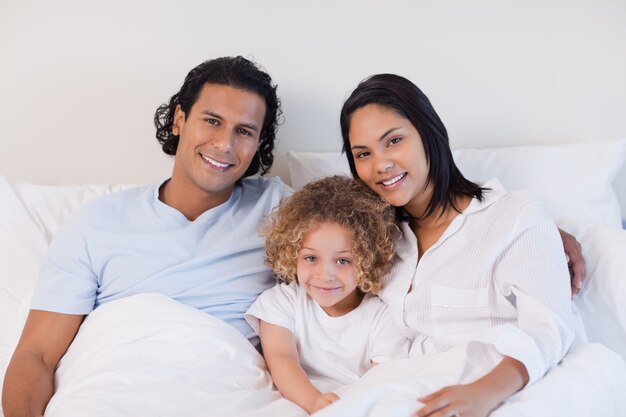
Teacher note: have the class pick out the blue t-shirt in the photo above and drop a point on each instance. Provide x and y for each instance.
(131, 242)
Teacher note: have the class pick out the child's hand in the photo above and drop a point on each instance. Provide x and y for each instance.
(471, 400)
(322, 401)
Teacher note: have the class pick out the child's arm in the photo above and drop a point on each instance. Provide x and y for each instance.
(481, 396)
(281, 356)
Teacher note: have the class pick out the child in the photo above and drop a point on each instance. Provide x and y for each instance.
(330, 244)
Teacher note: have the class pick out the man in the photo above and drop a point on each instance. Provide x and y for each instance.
(193, 238)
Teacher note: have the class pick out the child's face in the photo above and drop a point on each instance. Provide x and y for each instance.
(326, 268)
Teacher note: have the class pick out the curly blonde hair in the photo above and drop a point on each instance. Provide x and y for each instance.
(339, 200)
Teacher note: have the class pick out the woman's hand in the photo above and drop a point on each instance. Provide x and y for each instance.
(323, 400)
(471, 400)
(575, 261)
(480, 397)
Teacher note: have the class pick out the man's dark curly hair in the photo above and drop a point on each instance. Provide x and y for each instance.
(237, 72)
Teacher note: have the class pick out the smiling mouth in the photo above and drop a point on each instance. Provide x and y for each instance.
(326, 290)
(394, 180)
(217, 164)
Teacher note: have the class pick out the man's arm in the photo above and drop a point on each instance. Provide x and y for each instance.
(575, 261)
(28, 382)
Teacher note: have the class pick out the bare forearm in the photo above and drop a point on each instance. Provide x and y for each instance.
(293, 383)
(28, 386)
(508, 377)
(481, 396)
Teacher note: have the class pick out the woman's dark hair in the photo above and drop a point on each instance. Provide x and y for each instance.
(237, 72)
(406, 99)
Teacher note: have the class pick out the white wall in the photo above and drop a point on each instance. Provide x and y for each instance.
(80, 80)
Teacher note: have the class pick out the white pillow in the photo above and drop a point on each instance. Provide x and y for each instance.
(573, 180)
(29, 217)
(305, 167)
(49, 206)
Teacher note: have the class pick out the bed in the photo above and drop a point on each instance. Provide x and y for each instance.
(149, 355)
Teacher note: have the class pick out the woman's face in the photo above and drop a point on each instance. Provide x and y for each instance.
(389, 157)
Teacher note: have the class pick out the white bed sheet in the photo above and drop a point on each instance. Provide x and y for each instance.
(149, 355)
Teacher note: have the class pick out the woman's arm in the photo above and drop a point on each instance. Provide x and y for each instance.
(281, 356)
(480, 397)
(531, 273)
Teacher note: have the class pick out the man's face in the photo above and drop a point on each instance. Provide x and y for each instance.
(218, 139)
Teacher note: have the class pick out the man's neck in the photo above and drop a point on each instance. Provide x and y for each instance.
(190, 200)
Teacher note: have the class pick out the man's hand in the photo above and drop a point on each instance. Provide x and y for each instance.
(322, 401)
(575, 261)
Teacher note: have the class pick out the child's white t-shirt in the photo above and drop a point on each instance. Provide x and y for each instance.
(334, 349)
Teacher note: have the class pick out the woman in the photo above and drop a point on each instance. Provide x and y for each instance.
(476, 263)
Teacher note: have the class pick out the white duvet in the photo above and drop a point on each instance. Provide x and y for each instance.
(148, 355)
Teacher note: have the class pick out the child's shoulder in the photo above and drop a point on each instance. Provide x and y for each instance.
(373, 305)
